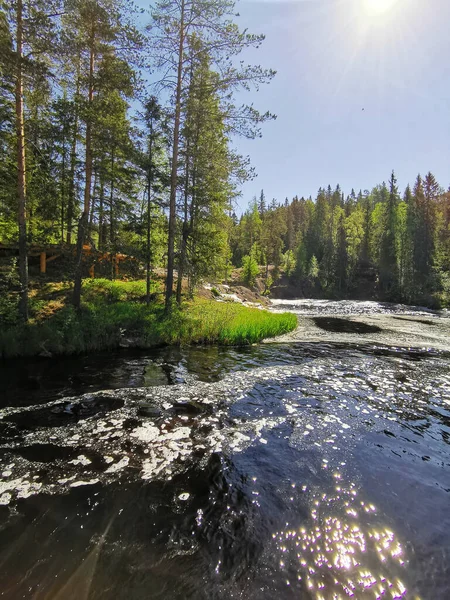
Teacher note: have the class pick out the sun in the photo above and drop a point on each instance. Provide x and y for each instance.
(378, 7)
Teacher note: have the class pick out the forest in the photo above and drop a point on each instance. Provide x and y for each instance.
(381, 243)
(89, 157)
(118, 129)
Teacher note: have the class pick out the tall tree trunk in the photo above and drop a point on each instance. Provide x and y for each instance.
(73, 164)
(111, 218)
(185, 232)
(101, 210)
(21, 171)
(63, 184)
(83, 222)
(191, 228)
(149, 195)
(33, 188)
(174, 173)
(91, 215)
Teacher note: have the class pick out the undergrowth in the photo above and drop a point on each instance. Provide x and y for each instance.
(114, 313)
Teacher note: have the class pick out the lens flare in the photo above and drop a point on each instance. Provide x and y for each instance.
(378, 7)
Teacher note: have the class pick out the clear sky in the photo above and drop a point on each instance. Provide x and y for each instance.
(335, 58)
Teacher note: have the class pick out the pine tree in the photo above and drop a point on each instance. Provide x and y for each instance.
(209, 25)
(32, 28)
(99, 31)
(341, 258)
(388, 258)
(21, 166)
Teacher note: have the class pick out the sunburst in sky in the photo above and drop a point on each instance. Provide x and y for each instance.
(378, 7)
(362, 88)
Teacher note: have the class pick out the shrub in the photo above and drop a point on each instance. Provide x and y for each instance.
(289, 262)
(9, 285)
(250, 269)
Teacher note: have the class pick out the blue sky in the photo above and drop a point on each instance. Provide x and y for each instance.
(335, 58)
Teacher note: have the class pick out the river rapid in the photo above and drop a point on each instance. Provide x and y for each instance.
(315, 466)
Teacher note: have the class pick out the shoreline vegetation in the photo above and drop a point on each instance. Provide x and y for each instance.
(114, 314)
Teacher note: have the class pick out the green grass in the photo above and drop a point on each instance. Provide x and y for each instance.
(233, 324)
(113, 312)
(114, 291)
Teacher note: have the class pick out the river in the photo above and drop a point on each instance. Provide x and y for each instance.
(315, 466)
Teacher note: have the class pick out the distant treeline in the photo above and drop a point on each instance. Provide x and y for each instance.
(329, 243)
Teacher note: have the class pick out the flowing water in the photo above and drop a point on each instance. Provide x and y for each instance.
(315, 470)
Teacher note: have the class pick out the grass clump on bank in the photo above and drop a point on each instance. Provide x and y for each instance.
(114, 314)
(236, 325)
(226, 323)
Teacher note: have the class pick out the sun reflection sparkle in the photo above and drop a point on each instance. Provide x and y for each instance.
(342, 552)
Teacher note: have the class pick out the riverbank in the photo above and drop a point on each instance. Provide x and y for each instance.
(114, 314)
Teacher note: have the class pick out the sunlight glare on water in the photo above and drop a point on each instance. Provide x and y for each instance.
(343, 551)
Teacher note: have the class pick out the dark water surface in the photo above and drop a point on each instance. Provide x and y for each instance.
(312, 471)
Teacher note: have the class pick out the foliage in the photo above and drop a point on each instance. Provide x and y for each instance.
(289, 263)
(250, 267)
(313, 271)
(9, 283)
(98, 146)
(112, 312)
(377, 243)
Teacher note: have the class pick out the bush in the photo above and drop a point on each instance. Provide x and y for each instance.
(289, 262)
(9, 298)
(250, 269)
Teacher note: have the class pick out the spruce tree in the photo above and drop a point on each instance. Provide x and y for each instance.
(341, 258)
(262, 204)
(388, 258)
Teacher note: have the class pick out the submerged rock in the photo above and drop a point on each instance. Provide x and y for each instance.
(337, 325)
(146, 409)
(191, 408)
